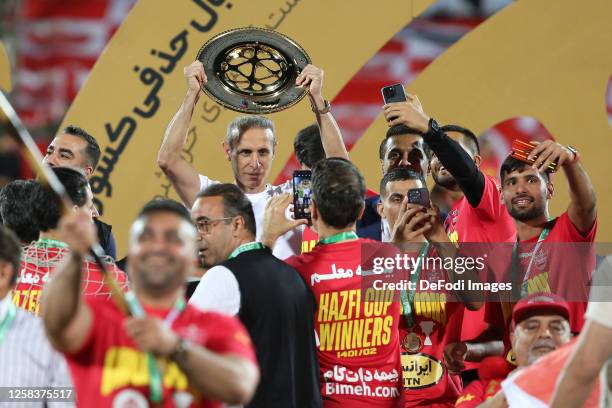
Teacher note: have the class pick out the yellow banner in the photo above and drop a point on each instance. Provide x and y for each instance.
(137, 84)
(544, 59)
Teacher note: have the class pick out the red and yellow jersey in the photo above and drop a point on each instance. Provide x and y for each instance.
(356, 326)
(37, 266)
(109, 370)
(477, 392)
(489, 222)
(562, 263)
(437, 315)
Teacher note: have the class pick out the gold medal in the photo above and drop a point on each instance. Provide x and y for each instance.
(412, 343)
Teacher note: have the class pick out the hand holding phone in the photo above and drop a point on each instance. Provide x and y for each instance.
(419, 196)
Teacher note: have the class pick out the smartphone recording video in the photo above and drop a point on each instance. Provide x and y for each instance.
(302, 192)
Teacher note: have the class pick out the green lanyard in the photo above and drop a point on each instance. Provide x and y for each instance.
(50, 243)
(343, 236)
(155, 379)
(7, 321)
(408, 298)
(516, 263)
(246, 247)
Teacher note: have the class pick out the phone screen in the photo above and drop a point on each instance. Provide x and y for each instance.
(302, 193)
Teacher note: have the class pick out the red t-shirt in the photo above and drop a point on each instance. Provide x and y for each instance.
(489, 222)
(109, 369)
(356, 326)
(438, 316)
(310, 236)
(39, 262)
(309, 239)
(477, 392)
(563, 264)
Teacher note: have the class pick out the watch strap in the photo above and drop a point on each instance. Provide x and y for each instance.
(326, 108)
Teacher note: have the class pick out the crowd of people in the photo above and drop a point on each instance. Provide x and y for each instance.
(480, 282)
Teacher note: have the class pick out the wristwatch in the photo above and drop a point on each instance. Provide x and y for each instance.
(180, 350)
(432, 127)
(575, 153)
(323, 111)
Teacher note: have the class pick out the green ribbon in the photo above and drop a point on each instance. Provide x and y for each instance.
(342, 236)
(408, 298)
(8, 320)
(155, 378)
(51, 243)
(251, 246)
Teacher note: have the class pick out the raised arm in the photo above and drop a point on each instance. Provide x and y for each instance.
(67, 318)
(580, 373)
(331, 137)
(179, 171)
(453, 157)
(582, 210)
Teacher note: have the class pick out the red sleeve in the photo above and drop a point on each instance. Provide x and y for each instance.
(228, 336)
(472, 395)
(100, 316)
(569, 233)
(370, 193)
(491, 207)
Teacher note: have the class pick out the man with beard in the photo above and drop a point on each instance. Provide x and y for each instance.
(76, 148)
(166, 353)
(477, 215)
(402, 147)
(267, 295)
(540, 325)
(550, 254)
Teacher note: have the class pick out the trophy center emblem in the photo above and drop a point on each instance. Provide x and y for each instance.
(254, 68)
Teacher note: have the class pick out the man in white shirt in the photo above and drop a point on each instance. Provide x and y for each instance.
(26, 357)
(249, 146)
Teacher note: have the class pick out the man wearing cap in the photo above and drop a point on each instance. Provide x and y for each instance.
(540, 324)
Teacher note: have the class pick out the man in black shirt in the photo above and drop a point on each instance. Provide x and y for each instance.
(268, 296)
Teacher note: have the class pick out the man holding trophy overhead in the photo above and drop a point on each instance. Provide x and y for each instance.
(250, 140)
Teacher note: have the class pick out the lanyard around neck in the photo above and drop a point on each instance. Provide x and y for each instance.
(50, 243)
(407, 297)
(155, 378)
(516, 262)
(340, 237)
(251, 246)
